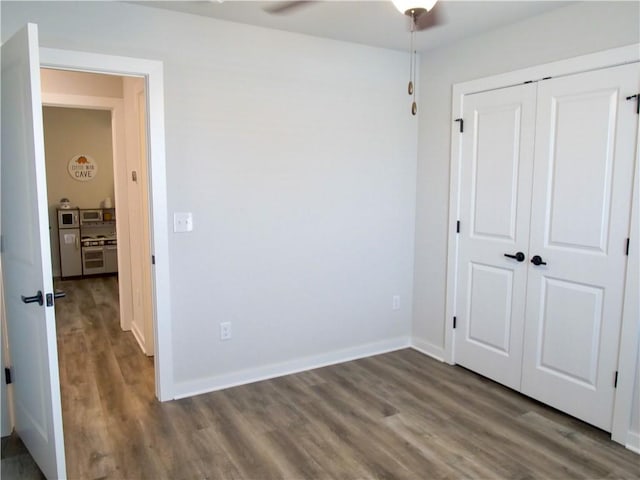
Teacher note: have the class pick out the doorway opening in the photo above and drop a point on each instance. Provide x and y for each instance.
(152, 73)
(98, 190)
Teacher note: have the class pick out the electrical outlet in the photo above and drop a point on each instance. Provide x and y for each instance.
(395, 304)
(225, 330)
(182, 222)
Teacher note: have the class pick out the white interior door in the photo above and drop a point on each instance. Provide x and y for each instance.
(138, 213)
(26, 259)
(497, 159)
(584, 164)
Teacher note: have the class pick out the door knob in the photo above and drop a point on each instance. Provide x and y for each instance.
(37, 298)
(518, 256)
(537, 260)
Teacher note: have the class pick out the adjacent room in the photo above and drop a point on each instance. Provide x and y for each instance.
(327, 239)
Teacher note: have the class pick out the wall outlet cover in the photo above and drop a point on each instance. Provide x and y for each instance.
(182, 222)
(395, 304)
(225, 330)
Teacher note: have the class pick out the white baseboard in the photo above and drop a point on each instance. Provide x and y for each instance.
(139, 337)
(211, 384)
(428, 349)
(633, 442)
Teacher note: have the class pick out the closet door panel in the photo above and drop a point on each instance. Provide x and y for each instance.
(584, 161)
(495, 196)
(579, 162)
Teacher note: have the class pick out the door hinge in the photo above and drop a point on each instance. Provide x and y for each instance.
(7, 376)
(1, 243)
(461, 124)
(455, 320)
(153, 259)
(615, 380)
(458, 226)
(637, 97)
(134, 176)
(627, 249)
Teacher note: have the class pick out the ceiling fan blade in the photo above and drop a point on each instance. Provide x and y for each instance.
(430, 19)
(283, 8)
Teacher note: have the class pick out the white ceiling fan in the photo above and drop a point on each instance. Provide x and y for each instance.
(417, 10)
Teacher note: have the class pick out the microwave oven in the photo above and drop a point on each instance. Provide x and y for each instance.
(90, 216)
(68, 218)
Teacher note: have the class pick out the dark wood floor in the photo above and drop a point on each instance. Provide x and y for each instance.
(399, 415)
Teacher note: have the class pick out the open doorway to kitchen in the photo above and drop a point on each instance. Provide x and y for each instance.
(96, 156)
(152, 73)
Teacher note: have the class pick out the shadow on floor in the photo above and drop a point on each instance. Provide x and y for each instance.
(16, 462)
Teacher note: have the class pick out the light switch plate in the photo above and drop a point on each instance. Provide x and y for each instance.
(182, 222)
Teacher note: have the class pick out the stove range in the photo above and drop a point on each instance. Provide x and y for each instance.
(99, 253)
(98, 240)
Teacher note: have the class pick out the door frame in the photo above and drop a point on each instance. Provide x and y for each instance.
(152, 71)
(115, 107)
(628, 348)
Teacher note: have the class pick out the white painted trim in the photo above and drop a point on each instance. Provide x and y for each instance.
(139, 338)
(628, 354)
(116, 107)
(220, 382)
(152, 70)
(569, 66)
(629, 343)
(454, 215)
(633, 442)
(428, 349)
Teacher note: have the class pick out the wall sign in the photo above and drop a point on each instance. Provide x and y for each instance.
(83, 168)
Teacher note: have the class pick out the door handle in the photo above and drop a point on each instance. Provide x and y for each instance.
(518, 256)
(537, 260)
(59, 294)
(37, 298)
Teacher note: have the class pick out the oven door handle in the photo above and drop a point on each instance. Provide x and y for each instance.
(93, 249)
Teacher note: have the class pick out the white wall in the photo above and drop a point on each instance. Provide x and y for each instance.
(69, 132)
(578, 29)
(297, 157)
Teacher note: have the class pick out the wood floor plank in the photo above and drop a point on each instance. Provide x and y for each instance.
(240, 442)
(210, 457)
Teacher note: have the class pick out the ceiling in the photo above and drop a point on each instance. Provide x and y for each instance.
(375, 23)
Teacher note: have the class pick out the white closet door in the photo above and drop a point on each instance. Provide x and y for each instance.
(584, 163)
(497, 158)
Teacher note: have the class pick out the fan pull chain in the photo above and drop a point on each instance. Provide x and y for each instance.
(414, 105)
(412, 65)
(410, 87)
